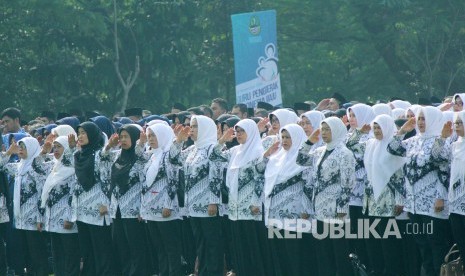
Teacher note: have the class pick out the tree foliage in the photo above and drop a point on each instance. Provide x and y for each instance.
(59, 54)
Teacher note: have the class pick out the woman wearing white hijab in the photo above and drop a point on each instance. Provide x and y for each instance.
(398, 113)
(455, 153)
(64, 130)
(400, 104)
(384, 196)
(245, 186)
(332, 181)
(29, 180)
(285, 200)
(382, 108)
(458, 102)
(359, 115)
(278, 119)
(310, 121)
(56, 209)
(159, 203)
(202, 197)
(426, 195)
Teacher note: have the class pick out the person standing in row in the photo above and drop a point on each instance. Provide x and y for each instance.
(159, 203)
(244, 185)
(55, 205)
(91, 200)
(202, 191)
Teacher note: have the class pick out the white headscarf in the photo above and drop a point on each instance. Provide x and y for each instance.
(397, 113)
(153, 122)
(382, 108)
(60, 171)
(283, 165)
(401, 104)
(24, 166)
(242, 154)
(64, 130)
(338, 132)
(206, 134)
(379, 163)
(284, 116)
(363, 113)
(461, 96)
(315, 117)
(414, 108)
(165, 136)
(433, 121)
(457, 171)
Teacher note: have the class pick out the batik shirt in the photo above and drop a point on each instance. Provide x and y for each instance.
(250, 187)
(423, 186)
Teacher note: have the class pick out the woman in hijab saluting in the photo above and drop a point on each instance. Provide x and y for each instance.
(29, 181)
(202, 190)
(332, 181)
(55, 205)
(91, 200)
(127, 177)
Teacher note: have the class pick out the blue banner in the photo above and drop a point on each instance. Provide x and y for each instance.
(256, 58)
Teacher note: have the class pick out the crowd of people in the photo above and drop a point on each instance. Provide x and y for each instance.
(210, 190)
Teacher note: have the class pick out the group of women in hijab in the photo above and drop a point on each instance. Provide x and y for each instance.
(108, 200)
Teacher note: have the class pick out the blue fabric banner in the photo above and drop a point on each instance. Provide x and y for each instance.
(256, 58)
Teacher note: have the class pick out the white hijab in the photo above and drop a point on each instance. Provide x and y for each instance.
(338, 132)
(457, 171)
(165, 136)
(379, 163)
(363, 113)
(434, 121)
(315, 117)
(285, 117)
(283, 165)
(64, 130)
(206, 134)
(414, 108)
(382, 108)
(24, 166)
(60, 171)
(242, 154)
(401, 104)
(461, 96)
(397, 113)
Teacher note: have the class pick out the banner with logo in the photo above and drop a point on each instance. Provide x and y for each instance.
(256, 58)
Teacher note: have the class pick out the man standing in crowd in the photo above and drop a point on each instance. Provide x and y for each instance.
(219, 106)
(240, 110)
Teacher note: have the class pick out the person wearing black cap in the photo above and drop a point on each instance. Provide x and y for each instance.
(301, 108)
(240, 110)
(263, 106)
(134, 114)
(178, 107)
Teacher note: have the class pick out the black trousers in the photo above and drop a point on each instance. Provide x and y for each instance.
(308, 260)
(332, 253)
(96, 249)
(166, 236)
(457, 223)
(246, 250)
(132, 246)
(66, 254)
(357, 246)
(188, 245)
(286, 255)
(411, 259)
(433, 245)
(37, 250)
(3, 265)
(208, 240)
(384, 253)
